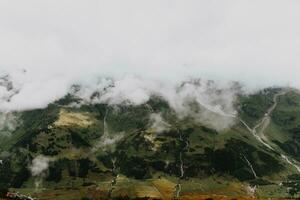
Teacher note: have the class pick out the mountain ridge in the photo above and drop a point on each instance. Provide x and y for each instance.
(105, 146)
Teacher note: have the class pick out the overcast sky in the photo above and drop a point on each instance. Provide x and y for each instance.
(62, 41)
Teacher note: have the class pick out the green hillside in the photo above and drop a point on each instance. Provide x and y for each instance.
(105, 151)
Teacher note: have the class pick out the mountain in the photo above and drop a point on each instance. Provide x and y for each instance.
(78, 150)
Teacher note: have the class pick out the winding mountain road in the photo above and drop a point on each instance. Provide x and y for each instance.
(259, 131)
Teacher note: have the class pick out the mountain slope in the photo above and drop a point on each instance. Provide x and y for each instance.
(126, 149)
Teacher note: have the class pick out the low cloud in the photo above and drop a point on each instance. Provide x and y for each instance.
(158, 124)
(214, 96)
(144, 48)
(40, 165)
(214, 101)
(39, 169)
(8, 123)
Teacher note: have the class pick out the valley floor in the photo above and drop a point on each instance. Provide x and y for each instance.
(161, 188)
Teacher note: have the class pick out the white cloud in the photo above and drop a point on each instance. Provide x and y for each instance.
(39, 169)
(39, 166)
(62, 42)
(214, 99)
(158, 124)
(8, 123)
(241, 40)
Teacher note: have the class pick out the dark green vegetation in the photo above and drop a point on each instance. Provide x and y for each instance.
(253, 107)
(287, 119)
(91, 144)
